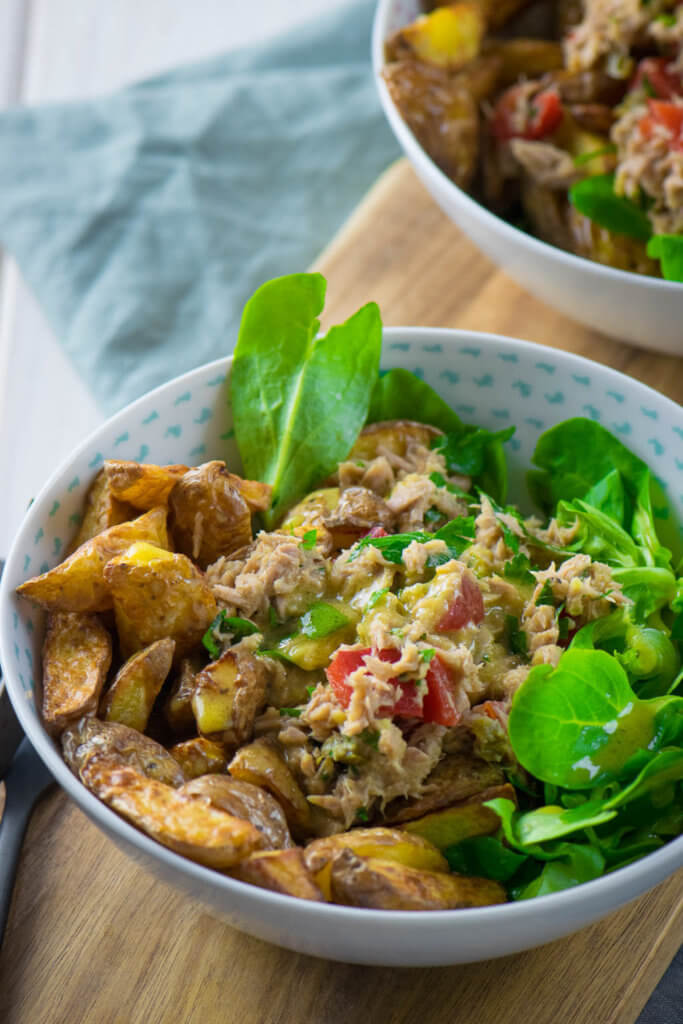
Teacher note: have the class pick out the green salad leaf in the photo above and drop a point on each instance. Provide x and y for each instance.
(579, 724)
(400, 395)
(486, 857)
(648, 655)
(668, 249)
(596, 199)
(457, 534)
(299, 401)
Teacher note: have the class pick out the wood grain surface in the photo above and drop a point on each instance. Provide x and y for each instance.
(93, 938)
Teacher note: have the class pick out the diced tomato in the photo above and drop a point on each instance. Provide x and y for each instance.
(655, 75)
(519, 117)
(377, 531)
(467, 607)
(667, 115)
(438, 704)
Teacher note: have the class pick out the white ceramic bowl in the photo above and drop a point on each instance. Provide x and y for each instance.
(630, 307)
(489, 380)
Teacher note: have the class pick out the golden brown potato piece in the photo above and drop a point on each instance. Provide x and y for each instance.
(142, 486)
(210, 512)
(310, 512)
(158, 594)
(523, 58)
(78, 584)
(461, 821)
(394, 436)
(90, 738)
(281, 871)
(595, 243)
(441, 113)
(187, 826)
(178, 707)
(480, 77)
(587, 86)
(381, 843)
(76, 659)
(494, 12)
(385, 885)
(262, 764)
(200, 756)
(547, 211)
(101, 511)
(357, 512)
(227, 696)
(448, 37)
(456, 777)
(596, 118)
(247, 801)
(131, 696)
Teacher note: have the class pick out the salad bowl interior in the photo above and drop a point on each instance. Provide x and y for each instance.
(629, 307)
(489, 380)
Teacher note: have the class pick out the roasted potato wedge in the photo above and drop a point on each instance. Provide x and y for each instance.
(442, 115)
(227, 696)
(386, 885)
(393, 436)
(281, 871)
(142, 486)
(380, 843)
(456, 777)
(158, 594)
(461, 821)
(494, 12)
(247, 801)
(262, 764)
(448, 37)
(90, 738)
(210, 512)
(102, 510)
(131, 696)
(523, 58)
(178, 707)
(76, 659)
(310, 512)
(78, 584)
(185, 825)
(358, 511)
(547, 211)
(595, 243)
(200, 756)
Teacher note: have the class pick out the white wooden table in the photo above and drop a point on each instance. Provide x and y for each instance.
(74, 49)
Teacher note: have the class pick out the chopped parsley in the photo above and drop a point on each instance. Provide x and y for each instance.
(272, 617)
(432, 516)
(370, 737)
(362, 814)
(516, 637)
(309, 539)
(291, 712)
(221, 626)
(427, 654)
(518, 568)
(546, 596)
(375, 597)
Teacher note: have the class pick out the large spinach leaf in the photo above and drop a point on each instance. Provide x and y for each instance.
(400, 395)
(299, 401)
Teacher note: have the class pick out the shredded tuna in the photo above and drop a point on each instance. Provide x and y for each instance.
(609, 28)
(415, 556)
(358, 574)
(490, 544)
(376, 476)
(651, 162)
(546, 163)
(558, 536)
(540, 626)
(275, 570)
(586, 587)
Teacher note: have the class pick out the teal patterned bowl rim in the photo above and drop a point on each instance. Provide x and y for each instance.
(485, 377)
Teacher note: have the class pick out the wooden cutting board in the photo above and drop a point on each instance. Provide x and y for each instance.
(93, 938)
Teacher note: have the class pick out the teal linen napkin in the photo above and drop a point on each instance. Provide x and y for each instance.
(142, 221)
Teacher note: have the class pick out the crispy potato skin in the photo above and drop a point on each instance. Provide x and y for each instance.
(210, 512)
(90, 738)
(246, 801)
(447, 38)
(185, 825)
(76, 659)
(262, 764)
(131, 696)
(380, 843)
(523, 58)
(392, 435)
(140, 485)
(78, 583)
(102, 510)
(178, 707)
(200, 756)
(282, 871)
(227, 696)
(456, 777)
(441, 113)
(385, 885)
(357, 512)
(461, 821)
(158, 594)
